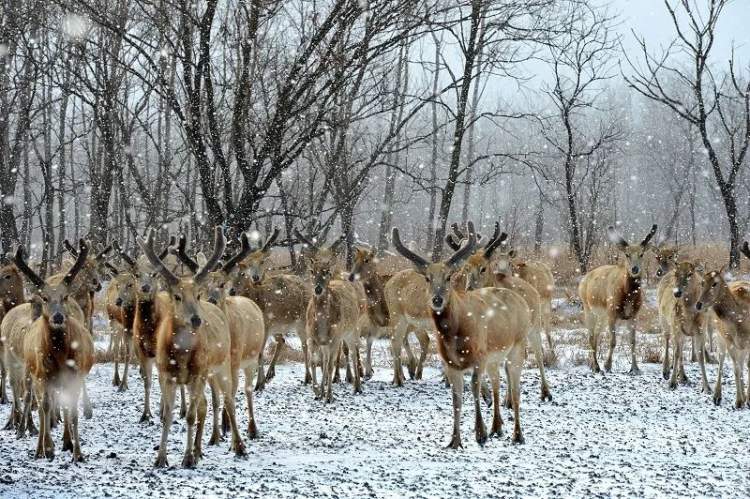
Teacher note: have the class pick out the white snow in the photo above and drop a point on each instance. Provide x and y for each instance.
(603, 435)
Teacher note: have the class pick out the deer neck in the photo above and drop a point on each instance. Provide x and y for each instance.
(727, 307)
(377, 308)
(322, 317)
(455, 343)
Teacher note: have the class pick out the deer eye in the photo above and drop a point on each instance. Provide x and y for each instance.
(426, 278)
(713, 284)
(178, 298)
(482, 269)
(7, 276)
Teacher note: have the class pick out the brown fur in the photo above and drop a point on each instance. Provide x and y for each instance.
(731, 306)
(677, 294)
(11, 295)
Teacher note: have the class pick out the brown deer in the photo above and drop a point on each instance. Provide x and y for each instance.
(247, 335)
(536, 273)
(11, 295)
(730, 303)
(120, 300)
(281, 297)
(332, 319)
(678, 293)
(479, 274)
(58, 353)
(477, 331)
(364, 270)
(613, 293)
(192, 343)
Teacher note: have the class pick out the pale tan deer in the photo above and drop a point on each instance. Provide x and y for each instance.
(614, 293)
(332, 318)
(120, 300)
(477, 331)
(247, 336)
(281, 297)
(192, 343)
(480, 274)
(11, 295)
(364, 270)
(58, 353)
(730, 303)
(677, 295)
(536, 273)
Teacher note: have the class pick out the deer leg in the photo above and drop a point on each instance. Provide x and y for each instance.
(238, 446)
(128, 345)
(547, 319)
(354, 350)
(411, 362)
(337, 367)
(612, 328)
(196, 389)
(693, 352)
(280, 344)
(424, 344)
(515, 363)
(480, 430)
(260, 384)
(739, 367)
(168, 393)
(368, 358)
(397, 338)
(43, 409)
(508, 397)
(677, 353)
(67, 439)
(497, 420)
(146, 368)
(456, 379)
(633, 362)
(183, 402)
(666, 336)
(535, 337)
(305, 354)
(201, 411)
(252, 428)
(78, 456)
(591, 324)
(114, 349)
(702, 361)
(348, 359)
(87, 412)
(682, 376)
(720, 372)
(330, 363)
(215, 403)
(17, 408)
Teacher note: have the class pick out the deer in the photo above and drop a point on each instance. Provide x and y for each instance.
(536, 273)
(332, 319)
(141, 336)
(364, 270)
(614, 293)
(192, 344)
(479, 273)
(281, 297)
(58, 352)
(730, 303)
(476, 331)
(246, 329)
(11, 295)
(120, 300)
(677, 295)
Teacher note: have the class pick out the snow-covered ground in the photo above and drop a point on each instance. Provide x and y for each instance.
(603, 435)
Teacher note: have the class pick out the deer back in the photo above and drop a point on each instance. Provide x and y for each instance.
(406, 295)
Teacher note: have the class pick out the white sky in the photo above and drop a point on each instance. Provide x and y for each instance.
(650, 19)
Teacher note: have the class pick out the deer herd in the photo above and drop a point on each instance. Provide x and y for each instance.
(201, 320)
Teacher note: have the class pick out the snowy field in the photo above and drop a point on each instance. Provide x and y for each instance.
(603, 435)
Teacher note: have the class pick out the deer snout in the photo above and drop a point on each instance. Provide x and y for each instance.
(98, 286)
(58, 319)
(255, 278)
(196, 321)
(437, 302)
(699, 306)
(212, 300)
(677, 293)
(232, 292)
(146, 288)
(635, 270)
(118, 302)
(318, 289)
(352, 277)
